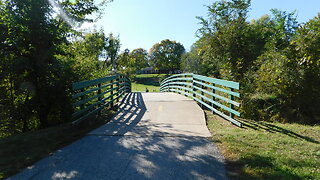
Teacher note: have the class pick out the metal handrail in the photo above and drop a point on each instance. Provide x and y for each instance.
(91, 96)
(215, 94)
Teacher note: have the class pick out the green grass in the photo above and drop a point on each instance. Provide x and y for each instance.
(136, 87)
(147, 81)
(22, 150)
(263, 150)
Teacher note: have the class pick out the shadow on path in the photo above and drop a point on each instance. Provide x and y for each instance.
(108, 153)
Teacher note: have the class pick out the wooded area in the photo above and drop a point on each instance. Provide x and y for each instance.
(276, 60)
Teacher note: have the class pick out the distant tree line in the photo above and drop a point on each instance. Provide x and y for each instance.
(164, 56)
(276, 60)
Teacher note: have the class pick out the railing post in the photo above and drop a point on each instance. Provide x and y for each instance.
(202, 93)
(118, 88)
(111, 87)
(99, 98)
(231, 105)
(185, 86)
(213, 98)
(193, 89)
(178, 85)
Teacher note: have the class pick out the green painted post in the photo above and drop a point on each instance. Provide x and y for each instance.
(202, 93)
(111, 104)
(213, 98)
(118, 88)
(120, 85)
(231, 105)
(99, 98)
(178, 86)
(185, 86)
(193, 89)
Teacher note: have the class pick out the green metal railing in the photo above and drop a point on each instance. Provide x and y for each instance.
(216, 94)
(91, 96)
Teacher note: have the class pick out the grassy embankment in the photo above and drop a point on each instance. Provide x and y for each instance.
(149, 81)
(20, 151)
(264, 150)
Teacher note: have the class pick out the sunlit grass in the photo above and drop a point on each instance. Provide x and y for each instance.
(142, 88)
(147, 82)
(263, 150)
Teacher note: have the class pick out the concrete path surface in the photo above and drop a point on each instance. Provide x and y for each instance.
(153, 136)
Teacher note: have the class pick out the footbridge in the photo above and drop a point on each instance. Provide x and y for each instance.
(152, 136)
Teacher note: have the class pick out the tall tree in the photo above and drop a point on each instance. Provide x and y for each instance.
(140, 57)
(36, 80)
(130, 62)
(224, 32)
(166, 55)
(112, 50)
(306, 48)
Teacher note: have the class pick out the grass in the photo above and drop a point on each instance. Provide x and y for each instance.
(147, 81)
(20, 151)
(264, 150)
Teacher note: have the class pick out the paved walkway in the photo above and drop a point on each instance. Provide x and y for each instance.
(153, 136)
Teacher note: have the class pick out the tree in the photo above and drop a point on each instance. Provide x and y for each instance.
(275, 60)
(224, 33)
(112, 49)
(83, 56)
(124, 61)
(305, 52)
(166, 55)
(35, 80)
(192, 61)
(130, 62)
(140, 57)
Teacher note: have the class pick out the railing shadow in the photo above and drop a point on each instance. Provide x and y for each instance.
(130, 112)
(260, 125)
(108, 153)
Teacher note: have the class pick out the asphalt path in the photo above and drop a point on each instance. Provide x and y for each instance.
(153, 136)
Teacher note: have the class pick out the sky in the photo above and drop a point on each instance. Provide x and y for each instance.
(142, 23)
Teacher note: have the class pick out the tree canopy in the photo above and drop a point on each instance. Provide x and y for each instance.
(275, 59)
(38, 61)
(166, 55)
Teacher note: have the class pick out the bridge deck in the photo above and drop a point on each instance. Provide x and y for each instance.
(153, 136)
(157, 114)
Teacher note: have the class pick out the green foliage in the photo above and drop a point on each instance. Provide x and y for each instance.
(140, 57)
(82, 56)
(131, 62)
(192, 62)
(112, 49)
(166, 55)
(38, 63)
(275, 59)
(228, 45)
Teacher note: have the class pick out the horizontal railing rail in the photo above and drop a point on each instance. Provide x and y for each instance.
(215, 94)
(91, 96)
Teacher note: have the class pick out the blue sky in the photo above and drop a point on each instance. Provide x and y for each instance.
(142, 23)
